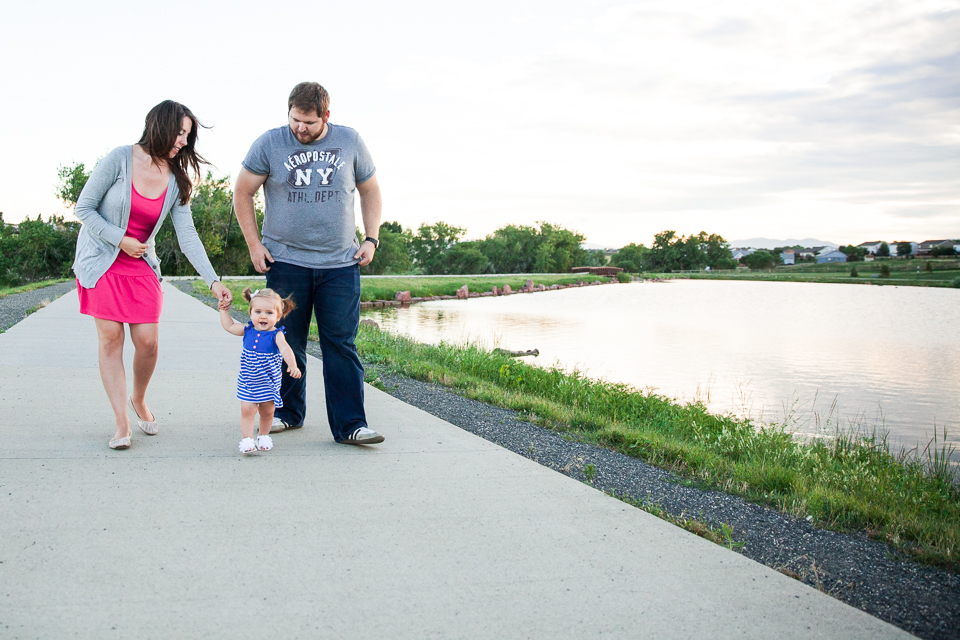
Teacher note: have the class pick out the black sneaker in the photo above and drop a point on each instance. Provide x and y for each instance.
(279, 425)
(363, 435)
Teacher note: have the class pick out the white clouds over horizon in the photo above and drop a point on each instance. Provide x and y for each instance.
(836, 120)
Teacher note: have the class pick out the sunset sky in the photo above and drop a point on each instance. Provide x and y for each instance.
(838, 120)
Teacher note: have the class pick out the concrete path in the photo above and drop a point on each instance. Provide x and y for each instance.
(436, 533)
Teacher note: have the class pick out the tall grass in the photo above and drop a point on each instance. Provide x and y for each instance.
(849, 480)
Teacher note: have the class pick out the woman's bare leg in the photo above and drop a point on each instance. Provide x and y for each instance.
(110, 355)
(146, 342)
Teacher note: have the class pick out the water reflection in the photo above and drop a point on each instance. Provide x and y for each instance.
(882, 357)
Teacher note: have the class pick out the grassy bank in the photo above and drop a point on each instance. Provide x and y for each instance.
(842, 482)
(904, 273)
(381, 288)
(9, 291)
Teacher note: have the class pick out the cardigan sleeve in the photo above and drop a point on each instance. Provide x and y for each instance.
(190, 242)
(103, 177)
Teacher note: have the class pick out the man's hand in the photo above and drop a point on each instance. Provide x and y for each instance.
(247, 186)
(133, 247)
(223, 295)
(365, 253)
(260, 257)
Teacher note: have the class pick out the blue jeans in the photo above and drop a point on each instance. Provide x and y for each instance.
(334, 296)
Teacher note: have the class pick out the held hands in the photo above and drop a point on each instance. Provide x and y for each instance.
(365, 253)
(133, 247)
(294, 372)
(223, 295)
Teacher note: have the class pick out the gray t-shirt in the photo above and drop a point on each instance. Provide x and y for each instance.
(309, 220)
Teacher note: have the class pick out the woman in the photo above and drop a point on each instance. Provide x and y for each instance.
(122, 206)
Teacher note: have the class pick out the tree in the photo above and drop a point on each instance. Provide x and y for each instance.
(510, 249)
(72, 180)
(630, 258)
(944, 251)
(760, 260)
(37, 250)
(883, 250)
(523, 249)
(595, 258)
(393, 254)
(884, 271)
(211, 206)
(671, 253)
(904, 249)
(464, 258)
(430, 243)
(854, 254)
(559, 249)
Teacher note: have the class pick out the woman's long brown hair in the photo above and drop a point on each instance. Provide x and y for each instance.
(160, 131)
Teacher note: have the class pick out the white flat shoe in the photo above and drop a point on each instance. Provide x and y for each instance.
(120, 443)
(149, 428)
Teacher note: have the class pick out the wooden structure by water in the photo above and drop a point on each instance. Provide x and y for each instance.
(598, 271)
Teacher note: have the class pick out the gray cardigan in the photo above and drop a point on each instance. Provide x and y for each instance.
(104, 209)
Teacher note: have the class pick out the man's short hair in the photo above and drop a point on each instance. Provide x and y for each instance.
(309, 96)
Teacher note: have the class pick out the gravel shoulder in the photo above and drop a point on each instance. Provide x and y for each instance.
(851, 567)
(14, 308)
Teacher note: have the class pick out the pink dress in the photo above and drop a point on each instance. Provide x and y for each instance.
(129, 291)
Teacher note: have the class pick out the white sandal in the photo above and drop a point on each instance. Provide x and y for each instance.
(247, 445)
(264, 443)
(148, 427)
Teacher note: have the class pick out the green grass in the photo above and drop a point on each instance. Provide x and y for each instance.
(847, 481)
(9, 291)
(385, 288)
(902, 273)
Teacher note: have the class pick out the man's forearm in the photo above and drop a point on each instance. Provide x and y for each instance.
(371, 207)
(246, 218)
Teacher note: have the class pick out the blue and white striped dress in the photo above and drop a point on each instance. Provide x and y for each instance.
(260, 367)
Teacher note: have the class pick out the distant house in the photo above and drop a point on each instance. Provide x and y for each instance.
(832, 256)
(871, 246)
(741, 253)
(787, 257)
(894, 251)
(810, 252)
(927, 245)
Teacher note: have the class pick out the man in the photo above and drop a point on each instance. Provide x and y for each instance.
(310, 171)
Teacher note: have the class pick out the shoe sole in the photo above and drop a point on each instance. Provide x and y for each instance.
(376, 440)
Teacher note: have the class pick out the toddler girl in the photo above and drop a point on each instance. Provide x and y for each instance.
(264, 347)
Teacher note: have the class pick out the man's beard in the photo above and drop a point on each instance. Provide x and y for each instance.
(308, 139)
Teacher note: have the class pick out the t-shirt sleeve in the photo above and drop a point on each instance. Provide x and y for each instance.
(257, 161)
(363, 167)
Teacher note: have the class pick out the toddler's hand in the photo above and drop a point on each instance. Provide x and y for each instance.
(294, 372)
(224, 305)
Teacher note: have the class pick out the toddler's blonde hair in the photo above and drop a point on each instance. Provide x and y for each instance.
(285, 305)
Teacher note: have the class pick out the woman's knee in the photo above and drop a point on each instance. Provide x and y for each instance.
(146, 342)
(110, 335)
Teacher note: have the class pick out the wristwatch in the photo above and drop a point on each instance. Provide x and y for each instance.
(376, 243)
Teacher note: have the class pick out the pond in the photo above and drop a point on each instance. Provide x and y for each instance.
(816, 355)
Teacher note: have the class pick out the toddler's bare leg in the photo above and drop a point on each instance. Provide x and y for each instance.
(266, 417)
(248, 412)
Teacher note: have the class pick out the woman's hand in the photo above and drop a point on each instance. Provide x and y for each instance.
(133, 247)
(223, 295)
